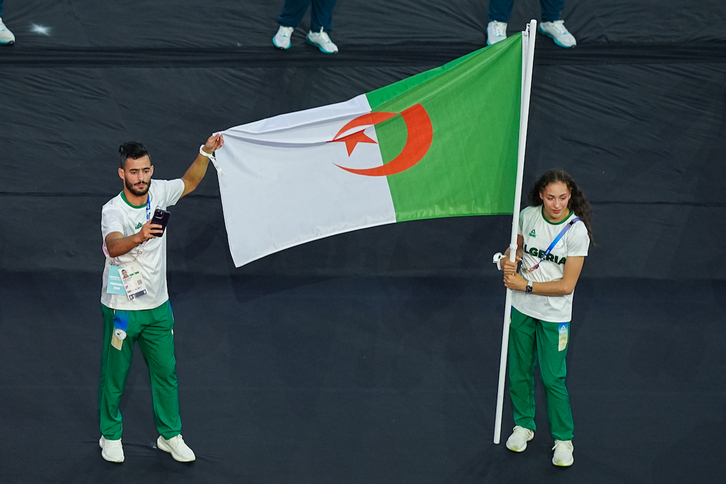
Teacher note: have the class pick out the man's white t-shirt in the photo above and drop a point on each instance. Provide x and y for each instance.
(538, 234)
(118, 215)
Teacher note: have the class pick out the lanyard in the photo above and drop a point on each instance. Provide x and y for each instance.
(148, 214)
(552, 245)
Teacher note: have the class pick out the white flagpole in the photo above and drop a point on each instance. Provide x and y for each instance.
(528, 40)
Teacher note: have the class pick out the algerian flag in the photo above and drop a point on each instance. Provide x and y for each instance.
(442, 143)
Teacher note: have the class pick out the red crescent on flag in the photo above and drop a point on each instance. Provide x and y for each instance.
(420, 135)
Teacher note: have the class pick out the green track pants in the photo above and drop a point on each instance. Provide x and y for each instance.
(532, 340)
(154, 331)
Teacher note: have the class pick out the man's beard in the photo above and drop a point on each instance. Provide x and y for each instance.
(139, 192)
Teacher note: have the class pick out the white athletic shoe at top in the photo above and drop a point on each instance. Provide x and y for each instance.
(517, 442)
(6, 37)
(559, 33)
(281, 40)
(496, 32)
(322, 41)
(563, 453)
(178, 449)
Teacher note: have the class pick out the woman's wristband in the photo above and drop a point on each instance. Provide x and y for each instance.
(497, 259)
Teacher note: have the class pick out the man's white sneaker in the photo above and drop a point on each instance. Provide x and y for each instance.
(563, 453)
(6, 37)
(517, 442)
(179, 450)
(281, 40)
(559, 33)
(111, 450)
(496, 32)
(322, 41)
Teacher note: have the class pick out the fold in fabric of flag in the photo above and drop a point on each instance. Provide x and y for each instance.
(442, 143)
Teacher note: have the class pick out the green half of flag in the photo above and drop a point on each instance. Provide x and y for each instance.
(473, 105)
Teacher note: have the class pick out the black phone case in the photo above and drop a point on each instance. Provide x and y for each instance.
(161, 217)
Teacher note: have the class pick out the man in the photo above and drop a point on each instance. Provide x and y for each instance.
(136, 308)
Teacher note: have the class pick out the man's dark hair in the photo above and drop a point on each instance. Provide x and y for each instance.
(132, 149)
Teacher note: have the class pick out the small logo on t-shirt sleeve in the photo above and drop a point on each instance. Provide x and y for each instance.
(532, 233)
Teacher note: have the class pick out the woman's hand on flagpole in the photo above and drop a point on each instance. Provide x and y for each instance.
(509, 267)
(515, 281)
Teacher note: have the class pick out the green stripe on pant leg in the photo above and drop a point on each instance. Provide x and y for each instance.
(156, 342)
(553, 370)
(521, 369)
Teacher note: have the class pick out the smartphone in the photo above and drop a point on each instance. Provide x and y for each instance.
(161, 217)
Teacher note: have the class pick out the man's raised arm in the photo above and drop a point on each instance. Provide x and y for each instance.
(196, 172)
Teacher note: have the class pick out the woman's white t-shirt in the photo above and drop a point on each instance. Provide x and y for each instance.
(538, 233)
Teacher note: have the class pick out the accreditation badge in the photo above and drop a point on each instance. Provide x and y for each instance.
(564, 332)
(132, 281)
(114, 284)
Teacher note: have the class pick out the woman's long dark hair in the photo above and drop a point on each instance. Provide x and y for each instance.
(578, 203)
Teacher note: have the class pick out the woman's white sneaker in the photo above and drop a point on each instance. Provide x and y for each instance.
(517, 442)
(563, 453)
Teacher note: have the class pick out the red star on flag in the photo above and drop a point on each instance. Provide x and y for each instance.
(353, 139)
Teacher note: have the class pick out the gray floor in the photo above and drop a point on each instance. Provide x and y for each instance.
(365, 379)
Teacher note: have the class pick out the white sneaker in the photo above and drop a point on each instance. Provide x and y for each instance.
(179, 450)
(322, 42)
(559, 33)
(517, 442)
(111, 450)
(496, 32)
(6, 37)
(563, 453)
(281, 40)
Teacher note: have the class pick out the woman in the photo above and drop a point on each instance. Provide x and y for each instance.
(554, 237)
